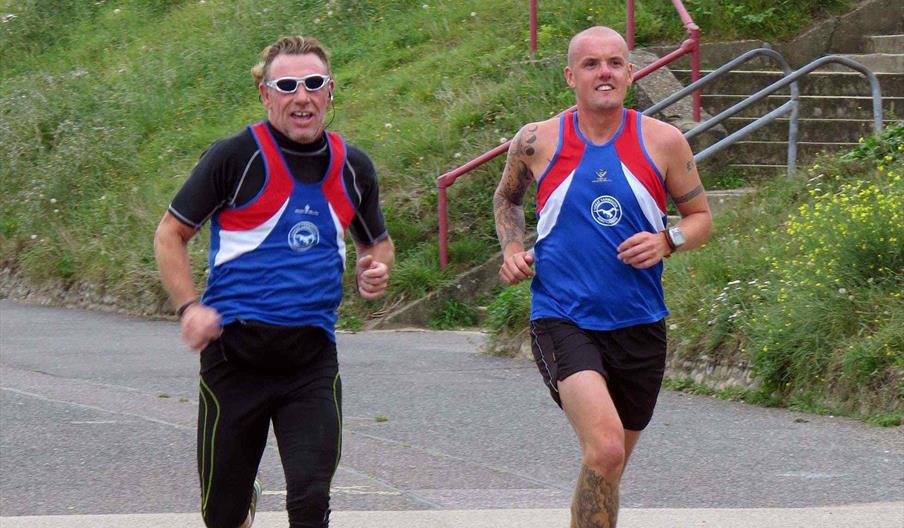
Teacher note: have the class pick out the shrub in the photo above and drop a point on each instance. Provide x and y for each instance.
(834, 318)
(507, 319)
(810, 296)
(452, 314)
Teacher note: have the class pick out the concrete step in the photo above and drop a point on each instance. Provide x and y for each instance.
(885, 44)
(811, 130)
(878, 515)
(819, 82)
(719, 200)
(756, 173)
(821, 107)
(876, 62)
(776, 152)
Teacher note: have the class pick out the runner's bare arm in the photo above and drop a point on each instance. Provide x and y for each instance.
(170, 249)
(682, 181)
(200, 324)
(675, 160)
(508, 208)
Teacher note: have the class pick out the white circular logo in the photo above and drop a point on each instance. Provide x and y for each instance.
(303, 236)
(606, 211)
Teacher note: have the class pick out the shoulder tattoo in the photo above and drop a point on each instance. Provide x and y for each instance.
(527, 144)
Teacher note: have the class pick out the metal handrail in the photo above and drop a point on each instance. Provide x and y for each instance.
(790, 106)
(693, 33)
(533, 28)
(793, 105)
(689, 46)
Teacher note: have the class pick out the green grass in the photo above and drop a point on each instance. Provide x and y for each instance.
(689, 386)
(804, 282)
(105, 107)
(452, 314)
(726, 178)
(809, 402)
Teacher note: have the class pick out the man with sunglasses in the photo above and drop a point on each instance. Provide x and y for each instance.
(598, 331)
(279, 195)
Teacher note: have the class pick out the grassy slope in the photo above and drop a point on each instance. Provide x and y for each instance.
(804, 284)
(106, 105)
(102, 122)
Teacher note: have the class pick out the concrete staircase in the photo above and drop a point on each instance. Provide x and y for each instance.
(835, 106)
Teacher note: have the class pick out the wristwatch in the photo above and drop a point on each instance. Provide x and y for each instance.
(674, 237)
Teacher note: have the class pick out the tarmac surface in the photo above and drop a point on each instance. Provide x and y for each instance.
(97, 428)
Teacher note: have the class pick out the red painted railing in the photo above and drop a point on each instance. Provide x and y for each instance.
(693, 34)
(689, 46)
(533, 28)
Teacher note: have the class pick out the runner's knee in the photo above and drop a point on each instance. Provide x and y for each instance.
(225, 516)
(605, 456)
(309, 506)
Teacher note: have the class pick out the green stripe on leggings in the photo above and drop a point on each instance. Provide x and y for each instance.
(202, 401)
(339, 415)
(205, 490)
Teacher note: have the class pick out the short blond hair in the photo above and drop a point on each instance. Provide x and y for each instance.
(295, 45)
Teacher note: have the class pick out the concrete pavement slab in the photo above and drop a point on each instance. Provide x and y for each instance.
(881, 515)
(98, 418)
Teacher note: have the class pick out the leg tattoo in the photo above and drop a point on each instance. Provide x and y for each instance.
(595, 503)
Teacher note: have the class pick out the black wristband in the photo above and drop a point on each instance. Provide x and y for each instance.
(668, 240)
(181, 309)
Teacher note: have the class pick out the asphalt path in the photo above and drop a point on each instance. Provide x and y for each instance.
(98, 411)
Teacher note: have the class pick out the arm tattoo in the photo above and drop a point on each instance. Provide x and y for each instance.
(690, 165)
(532, 136)
(595, 503)
(509, 196)
(689, 196)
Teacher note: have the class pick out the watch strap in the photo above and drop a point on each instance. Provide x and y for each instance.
(669, 241)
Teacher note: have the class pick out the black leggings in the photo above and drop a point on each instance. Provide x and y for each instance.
(239, 398)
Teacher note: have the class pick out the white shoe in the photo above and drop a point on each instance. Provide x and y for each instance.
(256, 491)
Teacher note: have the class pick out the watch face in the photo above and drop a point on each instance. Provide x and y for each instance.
(676, 236)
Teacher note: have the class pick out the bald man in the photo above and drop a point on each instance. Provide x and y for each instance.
(598, 311)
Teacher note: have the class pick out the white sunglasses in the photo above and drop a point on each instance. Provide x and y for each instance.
(311, 83)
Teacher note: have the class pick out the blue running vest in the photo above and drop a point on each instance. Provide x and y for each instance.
(590, 199)
(279, 258)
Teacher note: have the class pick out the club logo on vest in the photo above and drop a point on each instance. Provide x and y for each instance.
(606, 211)
(307, 211)
(303, 236)
(601, 176)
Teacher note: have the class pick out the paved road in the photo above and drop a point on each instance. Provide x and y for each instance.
(98, 414)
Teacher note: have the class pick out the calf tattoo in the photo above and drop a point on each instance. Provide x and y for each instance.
(595, 503)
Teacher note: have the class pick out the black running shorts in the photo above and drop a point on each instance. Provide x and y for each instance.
(632, 360)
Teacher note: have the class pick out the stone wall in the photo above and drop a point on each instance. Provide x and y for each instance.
(17, 288)
(713, 374)
(841, 34)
